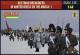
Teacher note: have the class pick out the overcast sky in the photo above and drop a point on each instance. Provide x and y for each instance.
(45, 17)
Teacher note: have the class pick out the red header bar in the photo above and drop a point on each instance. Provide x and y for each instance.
(30, 0)
(31, 5)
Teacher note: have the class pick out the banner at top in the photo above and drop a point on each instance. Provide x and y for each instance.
(15, 5)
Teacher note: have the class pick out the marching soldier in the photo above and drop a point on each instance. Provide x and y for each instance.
(18, 35)
(26, 35)
(43, 37)
(71, 41)
(47, 36)
(22, 35)
(30, 37)
(36, 40)
(51, 41)
(60, 41)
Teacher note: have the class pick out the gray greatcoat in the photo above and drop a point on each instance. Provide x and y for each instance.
(36, 40)
(43, 37)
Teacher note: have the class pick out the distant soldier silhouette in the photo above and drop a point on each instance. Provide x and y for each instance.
(11, 36)
(18, 35)
(43, 37)
(47, 36)
(22, 35)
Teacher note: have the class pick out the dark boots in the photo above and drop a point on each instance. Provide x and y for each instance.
(37, 49)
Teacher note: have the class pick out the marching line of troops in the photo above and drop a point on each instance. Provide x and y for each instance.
(58, 43)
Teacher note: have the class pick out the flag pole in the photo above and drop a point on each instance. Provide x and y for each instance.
(8, 28)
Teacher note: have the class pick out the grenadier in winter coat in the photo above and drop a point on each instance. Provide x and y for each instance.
(51, 40)
(71, 41)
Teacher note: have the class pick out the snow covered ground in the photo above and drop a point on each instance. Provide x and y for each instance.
(20, 47)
